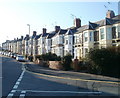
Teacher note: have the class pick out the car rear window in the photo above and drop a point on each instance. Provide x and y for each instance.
(21, 56)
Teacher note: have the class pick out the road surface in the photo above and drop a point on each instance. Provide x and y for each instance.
(16, 81)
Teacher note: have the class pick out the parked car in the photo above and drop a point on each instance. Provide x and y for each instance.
(15, 55)
(12, 55)
(6, 53)
(9, 54)
(20, 58)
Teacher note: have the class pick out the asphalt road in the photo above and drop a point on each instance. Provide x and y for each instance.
(11, 71)
(16, 81)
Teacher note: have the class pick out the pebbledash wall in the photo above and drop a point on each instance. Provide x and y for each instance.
(77, 40)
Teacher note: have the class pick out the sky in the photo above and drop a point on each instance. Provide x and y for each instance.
(16, 14)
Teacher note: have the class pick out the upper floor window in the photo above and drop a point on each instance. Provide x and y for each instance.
(118, 31)
(96, 36)
(76, 39)
(70, 40)
(90, 36)
(80, 38)
(113, 32)
(102, 33)
(109, 35)
(85, 36)
(63, 39)
(48, 42)
(66, 42)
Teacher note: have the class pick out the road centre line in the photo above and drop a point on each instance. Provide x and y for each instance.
(73, 78)
(16, 85)
(19, 80)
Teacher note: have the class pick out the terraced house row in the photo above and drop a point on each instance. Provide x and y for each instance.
(77, 40)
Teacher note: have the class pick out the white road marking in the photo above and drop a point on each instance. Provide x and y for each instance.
(13, 91)
(20, 77)
(22, 95)
(19, 80)
(60, 92)
(10, 95)
(16, 85)
(23, 91)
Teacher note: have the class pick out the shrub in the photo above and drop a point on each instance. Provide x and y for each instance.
(48, 57)
(66, 62)
(26, 56)
(30, 58)
(105, 61)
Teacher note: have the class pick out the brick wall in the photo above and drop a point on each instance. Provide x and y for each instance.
(55, 65)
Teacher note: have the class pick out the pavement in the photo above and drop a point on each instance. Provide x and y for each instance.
(69, 74)
(92, 82)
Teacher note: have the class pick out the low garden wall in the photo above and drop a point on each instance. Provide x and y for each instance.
(55, 65)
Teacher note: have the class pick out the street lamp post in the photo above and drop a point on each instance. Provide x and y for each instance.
(29, 41)
(29, 28)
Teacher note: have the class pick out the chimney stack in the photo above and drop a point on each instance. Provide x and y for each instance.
(34, 33)
(110, 14)
(77, 22)
(44, 30)
(57, 28)
(27, 35)
(21, 37)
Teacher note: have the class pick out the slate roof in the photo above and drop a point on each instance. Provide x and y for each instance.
(82, 28)
(69, 32)
(33, 36)
(117, 17)
(106, 21)
(62, 31)
(26, 38)
(20, 39)
(37, 36)
(44, 34)
(50, 35)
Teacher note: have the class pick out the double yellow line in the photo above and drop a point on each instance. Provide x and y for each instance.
(74, 78)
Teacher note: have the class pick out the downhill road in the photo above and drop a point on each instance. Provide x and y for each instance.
(16, 81)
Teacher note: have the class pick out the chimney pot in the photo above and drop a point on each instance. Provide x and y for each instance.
(77, 22)
(21, 37)
(34, 33)
(44, 30)
(57, 28)
(110, 14)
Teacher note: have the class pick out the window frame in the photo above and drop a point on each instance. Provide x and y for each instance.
(102, 33)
